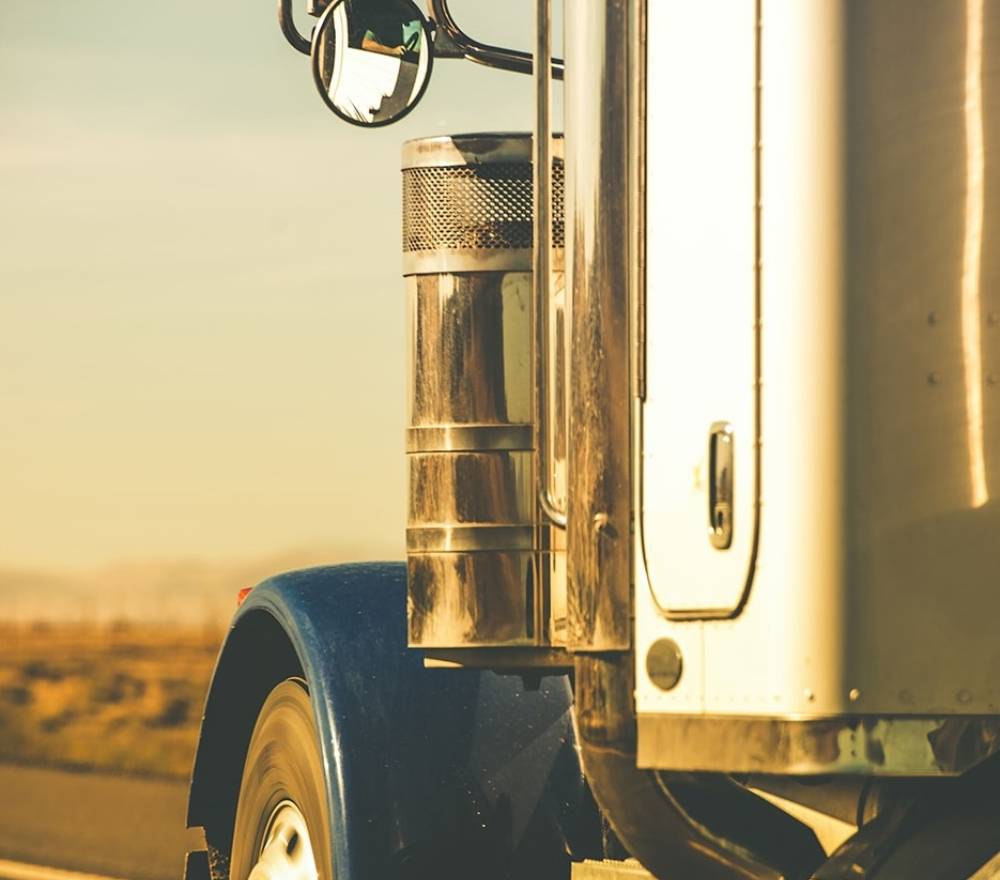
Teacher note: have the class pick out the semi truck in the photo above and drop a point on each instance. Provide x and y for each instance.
(703, 542)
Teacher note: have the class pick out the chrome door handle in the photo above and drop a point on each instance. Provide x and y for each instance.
(720, 485)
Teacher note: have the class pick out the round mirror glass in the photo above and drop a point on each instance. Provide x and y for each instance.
(371, 59)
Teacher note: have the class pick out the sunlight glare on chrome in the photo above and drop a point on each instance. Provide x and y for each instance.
(286, 853)
(972, 252)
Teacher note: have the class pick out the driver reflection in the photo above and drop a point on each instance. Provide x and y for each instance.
(375, 74)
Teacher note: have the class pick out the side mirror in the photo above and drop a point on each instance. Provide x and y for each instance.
(371, 59)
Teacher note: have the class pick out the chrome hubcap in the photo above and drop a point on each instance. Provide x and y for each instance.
(286, 853)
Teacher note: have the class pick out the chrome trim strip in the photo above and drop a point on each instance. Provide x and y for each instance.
(450, 539)
(471, 149)
(509, 658)
(474, 260)
(452, 261)
(469, 438)
(879, 745)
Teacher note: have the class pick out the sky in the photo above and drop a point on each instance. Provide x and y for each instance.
(201, 311)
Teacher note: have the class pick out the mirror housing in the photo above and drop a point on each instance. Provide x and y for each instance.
(372, 59)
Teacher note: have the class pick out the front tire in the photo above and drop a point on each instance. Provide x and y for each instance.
(282, 828)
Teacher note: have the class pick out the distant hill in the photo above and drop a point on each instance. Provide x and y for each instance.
(189, 591)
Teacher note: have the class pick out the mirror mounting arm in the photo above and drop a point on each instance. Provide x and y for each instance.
(473, 50)
(287, 25)
(445, 46)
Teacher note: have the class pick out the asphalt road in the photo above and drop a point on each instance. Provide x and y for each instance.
(115, 826)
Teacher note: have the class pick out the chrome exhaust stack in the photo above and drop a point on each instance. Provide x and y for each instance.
(483, 570)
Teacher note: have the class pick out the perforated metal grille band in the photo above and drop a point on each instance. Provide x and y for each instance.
(484, 207)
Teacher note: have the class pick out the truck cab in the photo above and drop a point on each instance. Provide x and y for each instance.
(701, 532)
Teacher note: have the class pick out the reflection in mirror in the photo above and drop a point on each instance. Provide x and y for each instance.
(371, 59)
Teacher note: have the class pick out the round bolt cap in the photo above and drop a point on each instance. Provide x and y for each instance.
(664, 664)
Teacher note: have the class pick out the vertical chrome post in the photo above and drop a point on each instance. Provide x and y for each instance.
(550, 509)
(603, 135)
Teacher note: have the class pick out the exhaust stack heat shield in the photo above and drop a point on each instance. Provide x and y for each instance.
(478, 573)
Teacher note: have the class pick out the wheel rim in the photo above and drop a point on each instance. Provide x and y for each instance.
(286, 853)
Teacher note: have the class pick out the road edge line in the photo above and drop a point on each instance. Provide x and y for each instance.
(24, 871)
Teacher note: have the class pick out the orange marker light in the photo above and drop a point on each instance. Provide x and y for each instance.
(241, 596)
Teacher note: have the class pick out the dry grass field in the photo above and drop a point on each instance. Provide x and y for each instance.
(118, 697)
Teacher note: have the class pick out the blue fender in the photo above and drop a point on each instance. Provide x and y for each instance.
(460, 772)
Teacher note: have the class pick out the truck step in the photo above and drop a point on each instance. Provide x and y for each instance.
(610, 870)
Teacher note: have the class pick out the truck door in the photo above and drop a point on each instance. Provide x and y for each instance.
(699, 459)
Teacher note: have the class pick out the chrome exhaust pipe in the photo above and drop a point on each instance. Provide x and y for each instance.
(479, 558)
